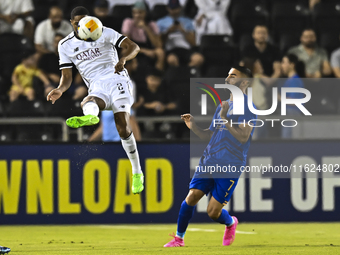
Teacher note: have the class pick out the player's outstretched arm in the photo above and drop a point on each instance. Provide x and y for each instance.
(204, 134)
(65, 83)
(130, 50)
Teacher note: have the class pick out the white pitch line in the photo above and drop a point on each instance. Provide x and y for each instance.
(245, 232)
(202, 229)
(164, 228)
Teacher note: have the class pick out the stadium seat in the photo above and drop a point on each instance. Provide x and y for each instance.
(119, 13)
(159, 11)
(244, 19)
(190, 9)
(222, 52)
(6, 136)
(245, 40)
(41, 10)
(28, 133)
(11, 51)
(65, 107)
(305, 3)
(25, 108)
(217, 71)
(177, 80)
(122, 11)
(2, 109)
(326, 17)
(329, 41)
(67, 6)
(286, 41)
(289, 19)
(216, 41)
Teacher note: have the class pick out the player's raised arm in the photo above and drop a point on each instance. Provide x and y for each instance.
(130, 50)
(240, 132)
(65, 83)
(204, 134)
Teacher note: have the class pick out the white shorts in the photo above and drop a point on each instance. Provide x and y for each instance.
(116, 94)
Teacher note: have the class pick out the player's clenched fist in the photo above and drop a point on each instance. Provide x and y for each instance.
(188, 119)
(54, 95)
(120, 65)
(224, 110)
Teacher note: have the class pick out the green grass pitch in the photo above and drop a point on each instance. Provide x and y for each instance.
(251, 238)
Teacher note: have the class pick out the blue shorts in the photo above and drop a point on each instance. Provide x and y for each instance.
(220, 188)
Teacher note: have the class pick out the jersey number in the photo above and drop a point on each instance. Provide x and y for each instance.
(120, 88)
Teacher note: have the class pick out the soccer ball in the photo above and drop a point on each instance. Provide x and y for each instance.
(90, 28)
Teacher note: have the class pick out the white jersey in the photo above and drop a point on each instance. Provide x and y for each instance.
(94, 60)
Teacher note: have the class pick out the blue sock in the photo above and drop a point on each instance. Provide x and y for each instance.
(185, 214)
(225, 218)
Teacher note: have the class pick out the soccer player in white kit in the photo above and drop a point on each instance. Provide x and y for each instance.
(109, 85)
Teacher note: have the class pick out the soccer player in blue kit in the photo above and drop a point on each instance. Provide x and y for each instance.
(228, 146)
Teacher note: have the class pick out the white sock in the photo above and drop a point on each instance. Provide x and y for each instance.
(130, 147)
(91, 108)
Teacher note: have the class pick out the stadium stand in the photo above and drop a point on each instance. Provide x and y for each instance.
(285, 20)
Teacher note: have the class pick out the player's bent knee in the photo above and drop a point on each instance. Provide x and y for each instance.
(88, 99)
(194, 196)
(213, 213)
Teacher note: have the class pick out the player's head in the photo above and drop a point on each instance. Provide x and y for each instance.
(101, 8)
(56, 16)
(153, 79)
(139, 11)
(76, 15)
(308, 38)
(174, 8)
(239, 76)
(292, 65)
(260, 33)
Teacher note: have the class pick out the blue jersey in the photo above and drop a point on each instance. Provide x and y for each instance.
(224, 148)
(294, 82)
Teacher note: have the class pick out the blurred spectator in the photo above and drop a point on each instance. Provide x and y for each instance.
(152, 3)
(49, 63)
(101, 11)
(259, 90)
(156, 100)
(312, 3)
(107, 130)
(294, 70)
(22, 79)
(178, 35)
(211, 18)
(314, 57)
(15, 17)
(335, 62)
(146, 35)
(268, 54)
(258, 86)
(47, 29)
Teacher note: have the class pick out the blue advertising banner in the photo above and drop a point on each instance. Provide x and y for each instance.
(90, 183)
